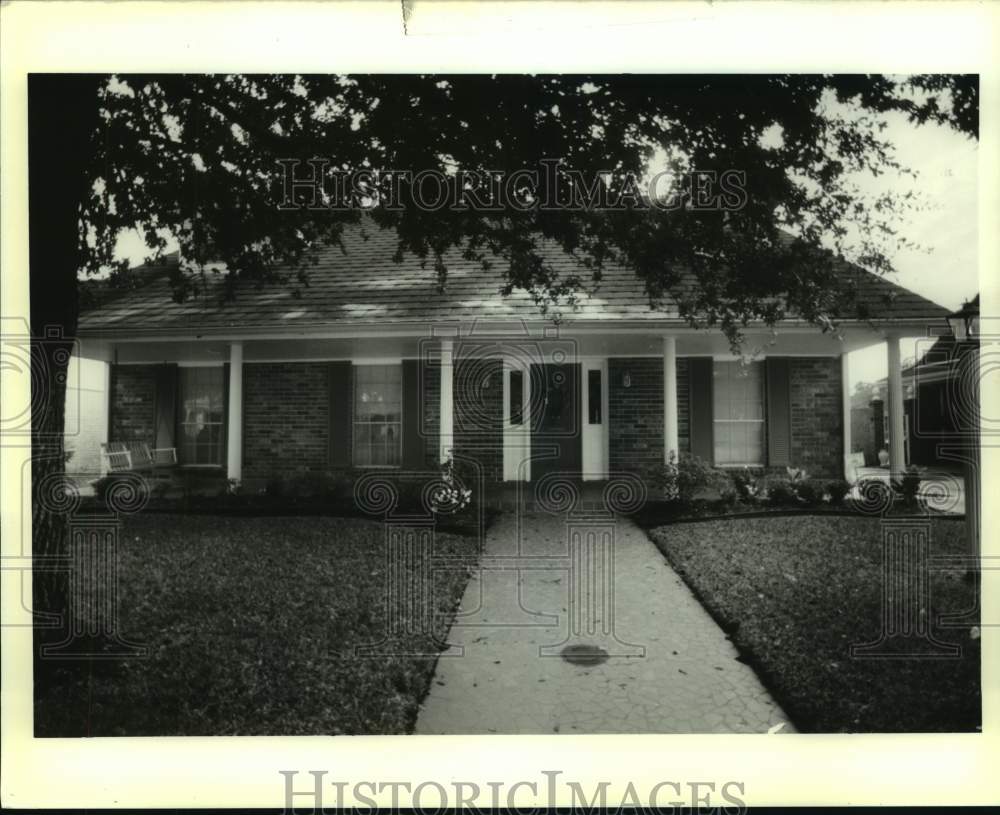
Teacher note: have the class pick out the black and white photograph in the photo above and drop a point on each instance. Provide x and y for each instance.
(430, 403)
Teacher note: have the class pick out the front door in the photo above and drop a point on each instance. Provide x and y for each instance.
(555, 429)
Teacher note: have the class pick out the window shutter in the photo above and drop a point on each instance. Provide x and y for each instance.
(341, 397)
(700, 389)
(413, 441)
(779, 412)
(165, 410)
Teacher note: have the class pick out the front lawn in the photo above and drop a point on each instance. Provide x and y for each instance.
(252, 625)
(795, 592)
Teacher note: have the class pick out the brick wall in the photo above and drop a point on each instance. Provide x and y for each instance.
(478, 417)
(133, 403)
(285, 418)
(817, 415)
(635, 414)
(635, 420)
(286, 410)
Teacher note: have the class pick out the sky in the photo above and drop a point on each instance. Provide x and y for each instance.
(946, 272)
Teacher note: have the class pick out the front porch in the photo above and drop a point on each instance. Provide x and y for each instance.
(632, 396)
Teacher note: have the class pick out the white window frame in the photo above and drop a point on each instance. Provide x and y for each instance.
(761, 421)
(375, 363)
(179, 443)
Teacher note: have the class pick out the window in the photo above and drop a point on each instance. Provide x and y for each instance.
(202, 416)
(738, 412)
(378, 411)
(516, 397)
(594, 401)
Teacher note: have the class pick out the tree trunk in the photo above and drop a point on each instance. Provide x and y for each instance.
(62, 118)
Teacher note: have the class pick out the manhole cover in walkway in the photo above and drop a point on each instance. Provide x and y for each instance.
(584, 654)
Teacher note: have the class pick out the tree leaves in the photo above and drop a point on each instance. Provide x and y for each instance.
(196, 157)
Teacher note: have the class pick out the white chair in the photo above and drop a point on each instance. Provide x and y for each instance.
(136, 457)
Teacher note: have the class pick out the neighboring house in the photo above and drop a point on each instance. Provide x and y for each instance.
(374, 367)
(863, 429)
(938, 391)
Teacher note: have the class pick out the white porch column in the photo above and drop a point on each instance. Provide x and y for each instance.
(234, 428)
(447, 401)
(105, 417)
(897, 454)
(845, 386)
(670, 431)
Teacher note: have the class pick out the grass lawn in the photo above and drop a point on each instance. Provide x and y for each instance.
(251, 625)
(795, 592)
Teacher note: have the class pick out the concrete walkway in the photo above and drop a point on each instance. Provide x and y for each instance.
(549, 581)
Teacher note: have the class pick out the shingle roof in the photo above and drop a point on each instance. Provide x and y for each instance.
(362, 283)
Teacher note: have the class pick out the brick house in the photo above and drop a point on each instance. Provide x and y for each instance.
(372, 366)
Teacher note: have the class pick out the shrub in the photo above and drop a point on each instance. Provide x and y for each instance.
(663, 478)
(809, 490)
(683, 479)
(276, 487)
(780, 491)
(746, 483)
(837, 490)
(454, 494)
(410, 491)
(796, 474)
(908, 486)
(694, 476)
(728, 493)
(467, 474)
(315, 484)
(103, 485)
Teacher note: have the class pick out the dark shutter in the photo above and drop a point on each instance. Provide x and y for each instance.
(341, 397)
(702, 429)
(165, 413)
(779, 413)
(413, 441)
